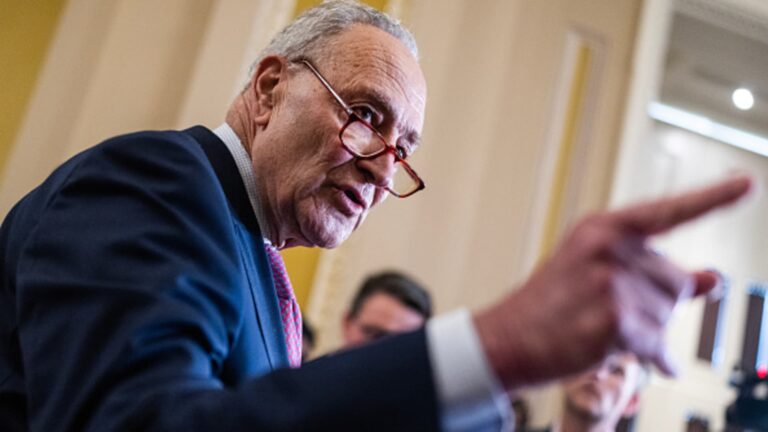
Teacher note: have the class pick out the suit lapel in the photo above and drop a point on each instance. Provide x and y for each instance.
(258, 272)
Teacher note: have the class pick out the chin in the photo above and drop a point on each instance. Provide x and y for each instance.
(322, 225)
(328, 235)
(329, 243)
(586, 405)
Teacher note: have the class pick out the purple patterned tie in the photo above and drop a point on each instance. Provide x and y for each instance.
(289, 308)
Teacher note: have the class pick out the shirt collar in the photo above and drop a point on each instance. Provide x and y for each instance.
(245, 168)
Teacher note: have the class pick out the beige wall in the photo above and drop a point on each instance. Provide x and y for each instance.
(26, 30)
(122, 65)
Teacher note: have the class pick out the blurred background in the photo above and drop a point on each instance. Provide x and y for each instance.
(539, 111)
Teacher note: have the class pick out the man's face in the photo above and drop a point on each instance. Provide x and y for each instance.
(607, 392)
(380, 315)
(316, 192)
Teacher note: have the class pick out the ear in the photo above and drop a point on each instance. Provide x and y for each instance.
(270, 72)
(632, 406)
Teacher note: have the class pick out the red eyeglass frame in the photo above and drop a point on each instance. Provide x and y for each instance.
(353, 117)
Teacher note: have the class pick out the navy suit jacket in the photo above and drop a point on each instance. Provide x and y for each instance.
(137, 295)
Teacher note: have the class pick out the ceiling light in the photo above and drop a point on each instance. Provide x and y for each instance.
(708, 128)
(743, 99)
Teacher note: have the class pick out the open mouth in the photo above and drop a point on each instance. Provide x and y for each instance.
(354, 197)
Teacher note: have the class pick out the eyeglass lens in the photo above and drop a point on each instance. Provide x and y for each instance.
(364, 142)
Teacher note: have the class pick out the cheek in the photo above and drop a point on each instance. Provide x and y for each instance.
(614, 394)
(379, 196)
(353, 335)
(315, 169)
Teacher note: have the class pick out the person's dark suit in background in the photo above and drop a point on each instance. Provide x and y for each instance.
(308, 340)
(137, 293)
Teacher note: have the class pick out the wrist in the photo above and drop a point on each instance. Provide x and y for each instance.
(500, 338)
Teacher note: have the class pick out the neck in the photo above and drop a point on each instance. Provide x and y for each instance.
(240, 119)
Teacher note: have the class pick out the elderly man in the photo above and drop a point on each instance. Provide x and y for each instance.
(142, 289)
(596, 400)
(387, 303)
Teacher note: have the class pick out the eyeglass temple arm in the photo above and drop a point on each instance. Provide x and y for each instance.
(327, 85)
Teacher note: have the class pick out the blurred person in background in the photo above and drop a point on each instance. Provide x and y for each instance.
(308, 341)
(598, 399)
(520, 411)
(386, 303)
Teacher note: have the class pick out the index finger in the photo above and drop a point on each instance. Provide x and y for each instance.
(657, 216)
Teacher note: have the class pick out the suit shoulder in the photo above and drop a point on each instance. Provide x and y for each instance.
(150, 158)
(150, 144)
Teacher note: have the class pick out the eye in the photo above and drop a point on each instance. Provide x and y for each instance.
(373, 332)
(617, 370)
(366, 113)
(401, 152)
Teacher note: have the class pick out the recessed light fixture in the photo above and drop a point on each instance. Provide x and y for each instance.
(743, 99)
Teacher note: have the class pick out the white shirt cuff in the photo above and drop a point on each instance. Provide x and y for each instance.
(469, 394)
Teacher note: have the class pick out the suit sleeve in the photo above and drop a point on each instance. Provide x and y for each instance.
(128, 302)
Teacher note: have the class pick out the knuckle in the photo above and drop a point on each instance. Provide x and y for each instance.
(591, 236)
(583, 239)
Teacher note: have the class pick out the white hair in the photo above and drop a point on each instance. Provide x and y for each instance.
(307, 34)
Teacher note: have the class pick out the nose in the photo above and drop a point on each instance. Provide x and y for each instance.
(599, 371)
(379, 170)
(602, 372)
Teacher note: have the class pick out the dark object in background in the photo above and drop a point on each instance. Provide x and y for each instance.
(626, 424)
(712, 323)
(307, 340)
(521, 412)
(754, 324)
(749, 412)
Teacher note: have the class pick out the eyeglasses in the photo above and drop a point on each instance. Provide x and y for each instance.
(363, 141)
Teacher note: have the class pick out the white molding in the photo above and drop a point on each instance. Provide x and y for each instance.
(648, 66)
(543, 197)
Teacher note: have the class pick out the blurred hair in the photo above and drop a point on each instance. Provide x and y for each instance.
(395, 284)
(307, 332)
